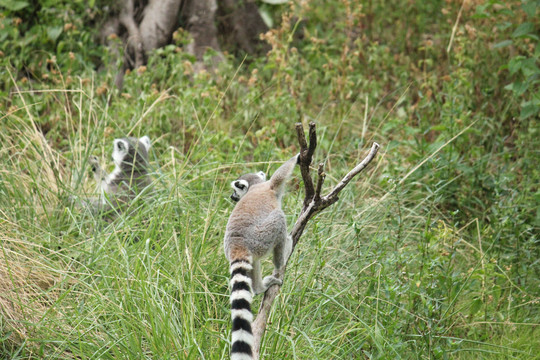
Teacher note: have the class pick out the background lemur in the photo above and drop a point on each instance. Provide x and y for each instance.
(256, 227)
(129, 176)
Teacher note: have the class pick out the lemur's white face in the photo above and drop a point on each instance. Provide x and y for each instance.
(241, 186)
(145, 140)
(121, 148)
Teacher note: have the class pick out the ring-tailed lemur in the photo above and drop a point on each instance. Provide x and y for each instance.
(256, 227)
(129, 177)
(241, 185)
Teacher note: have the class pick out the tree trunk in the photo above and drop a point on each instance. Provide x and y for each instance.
(200, 15)
(159, 21)
(147, 25)
(241, 25)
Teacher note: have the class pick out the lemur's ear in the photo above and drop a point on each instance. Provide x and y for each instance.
(121, 145)
(239, 184)
(262, 175)
(145, 140)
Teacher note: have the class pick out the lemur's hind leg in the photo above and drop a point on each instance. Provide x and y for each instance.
(282, 251)
(271, 280)
(277, 225)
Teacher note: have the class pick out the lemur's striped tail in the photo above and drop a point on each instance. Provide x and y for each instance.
(241, 298)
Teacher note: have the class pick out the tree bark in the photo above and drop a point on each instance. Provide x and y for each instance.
(134, 53)
(159, 22)
(147, 25)
(241, 25)
(201, 26)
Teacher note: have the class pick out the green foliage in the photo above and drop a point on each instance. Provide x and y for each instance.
(431, 254)
(523, 67)
(42, 38)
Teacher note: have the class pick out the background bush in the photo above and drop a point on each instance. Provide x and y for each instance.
(433, 253)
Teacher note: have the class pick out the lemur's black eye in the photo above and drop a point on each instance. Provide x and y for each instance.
(239, 185)
(120, 145)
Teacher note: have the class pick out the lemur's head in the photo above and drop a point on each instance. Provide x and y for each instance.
(131, 152)
(243, 183)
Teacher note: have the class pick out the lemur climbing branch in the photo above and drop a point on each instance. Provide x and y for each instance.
(313, 203)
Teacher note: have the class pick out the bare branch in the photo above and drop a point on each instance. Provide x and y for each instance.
(301, 138)
(313, 203)
(357, 169)
(312, 140)
(304, 162)
(259, 325)
(320, 182)
(324, 202)
(302, 221)
(306, 157)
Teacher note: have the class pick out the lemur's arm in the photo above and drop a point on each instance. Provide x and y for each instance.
(97, 204)
(97, 170)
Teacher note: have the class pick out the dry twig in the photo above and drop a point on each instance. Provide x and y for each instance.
(313, 203)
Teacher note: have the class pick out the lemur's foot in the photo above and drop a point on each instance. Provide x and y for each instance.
(271, 280)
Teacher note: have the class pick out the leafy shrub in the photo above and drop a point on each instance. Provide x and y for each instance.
(433, 255)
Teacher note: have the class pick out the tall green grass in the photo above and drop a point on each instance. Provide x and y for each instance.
(432, 253)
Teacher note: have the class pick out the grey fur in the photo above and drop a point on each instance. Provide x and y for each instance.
(243, 183)
(258, 225)
(129, 177)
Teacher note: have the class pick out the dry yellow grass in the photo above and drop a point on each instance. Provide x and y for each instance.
(26, 285)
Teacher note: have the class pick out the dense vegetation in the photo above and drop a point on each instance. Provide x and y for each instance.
(432, 253)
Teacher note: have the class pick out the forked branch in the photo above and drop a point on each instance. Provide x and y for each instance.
(313, 203)
(306, 156)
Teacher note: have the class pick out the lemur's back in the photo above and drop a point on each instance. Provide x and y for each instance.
(256, 204)
(256, 227)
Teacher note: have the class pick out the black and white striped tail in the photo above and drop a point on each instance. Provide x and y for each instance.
(241, 298)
